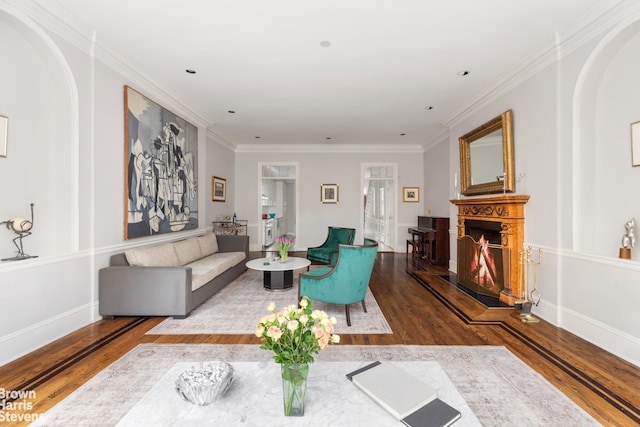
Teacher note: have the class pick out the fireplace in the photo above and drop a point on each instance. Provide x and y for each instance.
(490, 238)
(481, 262)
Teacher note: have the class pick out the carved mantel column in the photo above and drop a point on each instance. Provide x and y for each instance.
(509, 212)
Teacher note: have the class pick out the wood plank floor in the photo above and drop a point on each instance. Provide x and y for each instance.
(421, 308)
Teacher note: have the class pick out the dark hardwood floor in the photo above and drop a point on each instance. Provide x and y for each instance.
(421, 308)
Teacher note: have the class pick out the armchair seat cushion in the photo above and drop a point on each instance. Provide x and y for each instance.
(320, 254)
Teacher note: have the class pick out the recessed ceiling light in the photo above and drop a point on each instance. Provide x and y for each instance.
(190, 71)
(402, 134)
(429, 107)
(464, 73)
(328, 137)
(231, 112)
(256, 137)
(325, 43)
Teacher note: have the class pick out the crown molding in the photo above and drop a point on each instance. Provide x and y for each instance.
(321, 148)
(584, 29)
(443, 134)
(212, 135)
(57, 20)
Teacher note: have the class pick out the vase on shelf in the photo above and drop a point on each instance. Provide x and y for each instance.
(294, 387)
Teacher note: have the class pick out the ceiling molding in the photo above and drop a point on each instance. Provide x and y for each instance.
(211, 135)
(571, 38)
(323, 148)
(65, 26)
(443, 134)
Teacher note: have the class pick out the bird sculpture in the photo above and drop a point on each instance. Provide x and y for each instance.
(22, 227)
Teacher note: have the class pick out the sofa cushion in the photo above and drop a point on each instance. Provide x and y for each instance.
(206, 269)
(187, 251)
(208, 244)
(153, 256)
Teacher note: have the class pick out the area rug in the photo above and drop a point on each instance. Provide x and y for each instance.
(237, 308)
(499, 388)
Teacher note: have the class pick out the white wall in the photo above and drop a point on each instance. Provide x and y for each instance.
(327, 166)
(571, 134)
(437, 180)
(220, 162)
(66, 155)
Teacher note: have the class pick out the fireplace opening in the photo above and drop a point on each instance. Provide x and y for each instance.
(481, 261)
(488, 230)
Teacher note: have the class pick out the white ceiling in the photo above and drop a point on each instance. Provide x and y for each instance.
(389, 60)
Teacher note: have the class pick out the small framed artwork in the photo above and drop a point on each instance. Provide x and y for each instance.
(410, 194)
(329, 193)
(218, 189)
(4, 122)
(635, 144)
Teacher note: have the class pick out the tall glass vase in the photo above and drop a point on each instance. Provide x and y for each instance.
(294, 387)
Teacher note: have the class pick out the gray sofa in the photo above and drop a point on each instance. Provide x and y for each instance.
(170, 279)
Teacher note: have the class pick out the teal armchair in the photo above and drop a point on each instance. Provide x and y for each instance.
(344, 283)
(327, 252)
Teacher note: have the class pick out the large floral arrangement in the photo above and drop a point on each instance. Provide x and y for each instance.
(284, 244)
(295, 334)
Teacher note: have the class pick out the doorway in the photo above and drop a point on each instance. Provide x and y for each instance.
(278, 202)
(379, 204)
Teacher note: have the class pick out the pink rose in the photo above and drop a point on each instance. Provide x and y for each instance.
(317, 331)
(292, 325)
(323, 341)
(274, 332)
(259, 330)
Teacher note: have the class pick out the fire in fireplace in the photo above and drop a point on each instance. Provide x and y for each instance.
(481, 258)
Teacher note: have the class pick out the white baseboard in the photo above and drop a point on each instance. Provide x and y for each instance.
(616, 342)
(26, 340)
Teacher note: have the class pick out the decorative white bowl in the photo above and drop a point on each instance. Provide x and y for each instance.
(203, 384)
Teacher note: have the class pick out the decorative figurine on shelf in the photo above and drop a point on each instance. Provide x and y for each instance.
(22, 227)
(629, 239)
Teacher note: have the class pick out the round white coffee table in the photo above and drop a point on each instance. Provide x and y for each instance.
(278, 275)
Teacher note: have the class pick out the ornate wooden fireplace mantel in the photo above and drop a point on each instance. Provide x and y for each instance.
(509, 212)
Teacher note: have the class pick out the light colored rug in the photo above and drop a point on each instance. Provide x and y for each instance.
(499, 388)
(238, 307)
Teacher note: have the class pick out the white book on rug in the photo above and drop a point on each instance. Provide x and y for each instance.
(396, 390)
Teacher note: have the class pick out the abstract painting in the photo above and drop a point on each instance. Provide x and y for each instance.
(161, 158)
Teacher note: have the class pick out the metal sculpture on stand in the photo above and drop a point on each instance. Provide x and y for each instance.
(629, 239)
(532, 297)
(22, 227)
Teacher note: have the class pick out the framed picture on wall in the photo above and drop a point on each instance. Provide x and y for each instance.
(218, 189)
(635, 144)
(4, 122)
(329, 193)
(410, 194)
(160, 169)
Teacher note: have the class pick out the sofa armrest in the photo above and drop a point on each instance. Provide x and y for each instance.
(233, 243)
(145, 291)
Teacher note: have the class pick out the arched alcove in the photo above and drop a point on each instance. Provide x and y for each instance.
(40, 100)
(605, 104)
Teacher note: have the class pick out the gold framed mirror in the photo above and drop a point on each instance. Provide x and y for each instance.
(486, 158)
